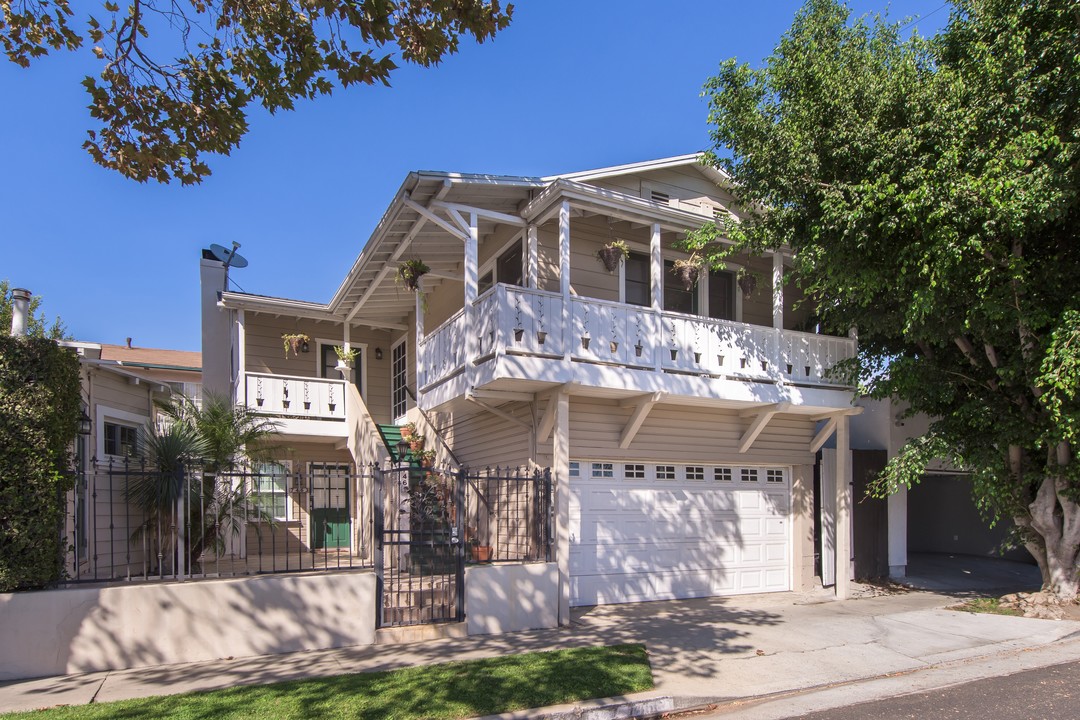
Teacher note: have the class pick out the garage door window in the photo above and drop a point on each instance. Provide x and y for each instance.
(665, 472)
(695, 473)
(634, 472)
(749, 475)
(722, 475)
(603, 470)
(774, 476)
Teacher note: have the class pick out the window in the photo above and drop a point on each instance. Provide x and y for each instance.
(121, 440)
(721, 295)
(329, 360)
(603, 470)
(676, 297)
(774, 476)
(695, 472)
(508, 269)
(665, 472)
(270, 490)
(575, 469)
(749, 475)
(398, 378)
(722, 474)
(634, 472)
(637, 283)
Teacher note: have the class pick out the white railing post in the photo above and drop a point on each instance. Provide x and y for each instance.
(656, 291)
(471, 270)
(564, 276)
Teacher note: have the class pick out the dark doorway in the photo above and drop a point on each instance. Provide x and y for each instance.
(870, 517)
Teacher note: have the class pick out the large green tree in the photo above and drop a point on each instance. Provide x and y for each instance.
(177, 76)
(928, 189)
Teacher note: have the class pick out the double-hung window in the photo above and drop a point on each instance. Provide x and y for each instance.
(270, 490)
(121, 440)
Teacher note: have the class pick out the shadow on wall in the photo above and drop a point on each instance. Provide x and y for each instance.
(154, 624)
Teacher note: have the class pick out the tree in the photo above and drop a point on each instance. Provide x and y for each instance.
(36, 324)
(928, 189)
(192, 457)
(177, 77)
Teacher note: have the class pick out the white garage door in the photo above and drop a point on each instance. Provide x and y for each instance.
(654, 532)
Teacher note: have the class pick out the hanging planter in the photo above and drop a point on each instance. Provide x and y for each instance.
(747, 282)
(295, 342)
(346, 358)
(688, 271)
(541, 336)
(612, 254)
(410, 272)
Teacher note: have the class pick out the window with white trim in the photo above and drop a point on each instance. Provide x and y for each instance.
(665, 472)
(270, 490)
(121, 440)
(695, 473)
(508, 268)
(722, 474)
(774, 476)
(634, 472)
(749, 475)
(603, 470)
(399, 399)
(575, 469)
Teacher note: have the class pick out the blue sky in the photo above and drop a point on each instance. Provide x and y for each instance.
(571, 85)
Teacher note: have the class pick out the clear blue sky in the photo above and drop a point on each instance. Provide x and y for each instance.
(571, 85)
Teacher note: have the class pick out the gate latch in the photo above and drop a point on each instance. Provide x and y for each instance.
(453, 536)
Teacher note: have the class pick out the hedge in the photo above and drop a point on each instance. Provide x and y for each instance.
(39, 410)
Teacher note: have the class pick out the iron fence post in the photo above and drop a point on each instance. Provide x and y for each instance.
(459, 549)
(379, 483)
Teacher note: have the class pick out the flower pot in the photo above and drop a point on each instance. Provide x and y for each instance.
(687, 275)
(614, 346)
(611, 257)
(720, 360)
(747, 283)
(674, 354)
(285, 404)
(416, 444)
(332, 406)
(480, 553)
(518, 334)
(585, 342)
(541, 336)
(697, 357)
(259, 401)
(637, 349)
(307, 405)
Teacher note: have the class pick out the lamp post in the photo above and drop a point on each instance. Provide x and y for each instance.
(83, 424)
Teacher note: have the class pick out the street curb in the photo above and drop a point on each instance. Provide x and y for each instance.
(616, 708)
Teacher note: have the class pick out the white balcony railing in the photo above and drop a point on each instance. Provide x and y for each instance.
(521, 321)
(297, 397)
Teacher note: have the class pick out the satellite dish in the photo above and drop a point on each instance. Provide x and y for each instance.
(231, 258)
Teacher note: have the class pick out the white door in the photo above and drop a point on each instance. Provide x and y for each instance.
(643, 532)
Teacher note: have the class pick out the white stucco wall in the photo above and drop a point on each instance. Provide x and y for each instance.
(506, 598)
(84, 629)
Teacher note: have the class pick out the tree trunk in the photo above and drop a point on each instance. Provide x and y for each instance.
(1055, 518)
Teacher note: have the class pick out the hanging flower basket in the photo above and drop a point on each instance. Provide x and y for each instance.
(346, 358)
(612, 254)
(747, 282)
(688, 271)
(295, 342)
(410, 273)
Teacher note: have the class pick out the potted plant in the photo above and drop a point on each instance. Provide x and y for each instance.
(688, 270)
(477, 553)
(410, 272)
(416, 443)
(296, 342)
(408, 430)
(747, 281)
(612, 254)
(346, 358)
(426, 458)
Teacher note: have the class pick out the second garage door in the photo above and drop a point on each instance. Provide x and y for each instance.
(643, 532)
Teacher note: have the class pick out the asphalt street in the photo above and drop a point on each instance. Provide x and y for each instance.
(1050, 693)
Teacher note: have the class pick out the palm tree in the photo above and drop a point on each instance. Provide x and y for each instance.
(199, 448)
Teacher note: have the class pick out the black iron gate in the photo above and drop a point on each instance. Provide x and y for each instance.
(419, 556)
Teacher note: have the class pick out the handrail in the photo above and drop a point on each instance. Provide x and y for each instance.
(434, 429)
(301, 378)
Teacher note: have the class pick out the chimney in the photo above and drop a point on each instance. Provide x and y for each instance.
(20, 311)
(129, 343)
(217, 327)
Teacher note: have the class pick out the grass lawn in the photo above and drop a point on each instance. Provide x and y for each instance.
(987, 605)
(452, 690)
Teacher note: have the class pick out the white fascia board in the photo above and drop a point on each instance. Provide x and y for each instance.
(640, 209)
(278, 306)
(112, 366)
(692, 159)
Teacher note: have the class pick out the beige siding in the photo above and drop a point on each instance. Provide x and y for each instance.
(481, 439)
(118, 393)
(266, 353)
(547, 252)
(681, 434)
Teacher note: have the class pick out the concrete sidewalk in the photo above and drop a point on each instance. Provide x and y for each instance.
(702, 651)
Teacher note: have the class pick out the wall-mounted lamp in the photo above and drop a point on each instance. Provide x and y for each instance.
(83, 423)
(305, 347)
(378, 353)
(402, 449)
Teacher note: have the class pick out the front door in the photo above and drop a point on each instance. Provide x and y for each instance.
(330, 520)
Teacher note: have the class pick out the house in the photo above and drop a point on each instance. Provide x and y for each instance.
(680, 423)
(120, 386)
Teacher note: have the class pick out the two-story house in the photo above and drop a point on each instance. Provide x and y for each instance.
(680, 421)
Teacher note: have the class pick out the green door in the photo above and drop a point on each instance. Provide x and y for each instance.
(330, 527)
(329, 505)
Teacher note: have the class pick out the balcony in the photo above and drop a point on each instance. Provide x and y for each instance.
(300, 405)
(514, 321)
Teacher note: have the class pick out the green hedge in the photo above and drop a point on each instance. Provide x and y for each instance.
(39, 411)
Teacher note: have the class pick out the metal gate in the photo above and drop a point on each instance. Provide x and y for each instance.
(419, 555)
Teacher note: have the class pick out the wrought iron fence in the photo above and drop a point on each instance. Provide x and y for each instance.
(508, 515)
(129, 521)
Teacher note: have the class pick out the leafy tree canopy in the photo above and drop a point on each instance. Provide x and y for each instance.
(177, 77)
(36, 324)
(928, 190)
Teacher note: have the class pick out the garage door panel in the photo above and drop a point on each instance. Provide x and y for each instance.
(646, 539)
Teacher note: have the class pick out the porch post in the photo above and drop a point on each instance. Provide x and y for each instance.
(778, 291)
(533, 264)
(471, 269)
(843, 508)
(561, 462)
(656, 291)
(240, 389)
(345, 340)
(564, 275)
(420, 337)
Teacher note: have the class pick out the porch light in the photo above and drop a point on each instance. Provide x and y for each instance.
(305, 347)
(83, 423)
(402, 448)
(378, 353)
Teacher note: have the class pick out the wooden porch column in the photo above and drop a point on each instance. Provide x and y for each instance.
(778, 291)
(843, 508)
(533, 266)
(240, 386)
(564, 275)
(656, 291)
(561, 462)
(472, 244)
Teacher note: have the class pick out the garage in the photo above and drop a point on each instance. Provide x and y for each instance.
(642, 531)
